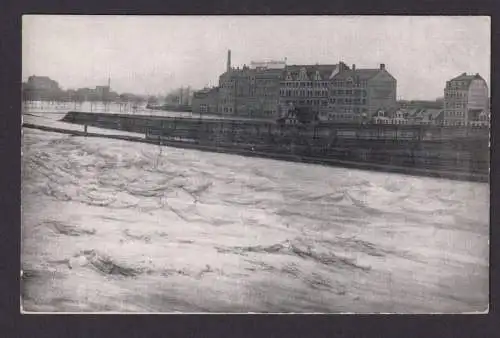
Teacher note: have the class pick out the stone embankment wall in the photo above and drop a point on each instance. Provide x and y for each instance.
(464, 151)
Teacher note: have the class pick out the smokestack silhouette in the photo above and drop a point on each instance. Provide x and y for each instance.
(228, 60)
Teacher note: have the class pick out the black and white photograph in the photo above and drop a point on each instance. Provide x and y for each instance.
(255, 164)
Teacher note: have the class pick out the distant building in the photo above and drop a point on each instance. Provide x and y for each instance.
(84, 94)
(426, 116)
(102, 91)
(414, 116)
(390, 116)
(41, 88)
(481, 120)
(356, 94)
(205, 101)
(42, 83)
(465, 100)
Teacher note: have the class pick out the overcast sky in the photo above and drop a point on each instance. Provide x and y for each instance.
(153, 54)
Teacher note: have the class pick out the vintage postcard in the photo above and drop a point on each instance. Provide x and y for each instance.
(255, 164)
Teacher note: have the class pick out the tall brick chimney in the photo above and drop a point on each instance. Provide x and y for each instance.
(228, 60)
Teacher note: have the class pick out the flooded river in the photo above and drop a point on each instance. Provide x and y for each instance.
(116, 226)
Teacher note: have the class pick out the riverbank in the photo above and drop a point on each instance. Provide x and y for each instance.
(447, 174)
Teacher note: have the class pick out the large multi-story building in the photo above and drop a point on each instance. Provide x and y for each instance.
(355, 94)
(273, 89)
(305, 87)
(466, 100)
(249, 91)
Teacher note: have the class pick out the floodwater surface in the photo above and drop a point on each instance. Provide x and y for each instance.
(111, 225)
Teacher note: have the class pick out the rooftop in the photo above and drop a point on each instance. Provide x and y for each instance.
(466, 77)
(324, 70)
(360, 74)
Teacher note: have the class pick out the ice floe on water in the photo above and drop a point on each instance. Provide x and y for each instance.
(111, 225)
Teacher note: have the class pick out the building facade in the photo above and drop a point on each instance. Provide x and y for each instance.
(325, 92)
(357, 94)
(305, 87)
(249, 92)
(405, 116)
(466, 99)
(205, 101)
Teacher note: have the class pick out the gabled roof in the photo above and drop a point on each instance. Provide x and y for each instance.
(358, 74)
(420, 112)
(389, 111)
(466, 77)
(434, 112)
(324, 71)
(414, 112)
(431, 113)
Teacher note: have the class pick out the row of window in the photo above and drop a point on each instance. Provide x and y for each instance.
(226, 109)
(303, 92)
(323, 103)
(348, 83)
(302, 84)
(334, 100)
(351, 110)
(455, 104)
(299, 84)
(309, 92)
(453, 123)
(325, 84)
(325, 94)
(251, 112)
(389, 121)
(456, 84)
(341, 117)
(454, 113)
(454, 94)
(355, 92)
(203, 108)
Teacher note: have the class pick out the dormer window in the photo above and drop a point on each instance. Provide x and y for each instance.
(303, 74)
